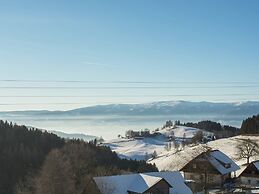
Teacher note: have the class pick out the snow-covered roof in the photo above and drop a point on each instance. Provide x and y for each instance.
(175, 179)
(256, 164)
(222, 162)
(141, 182)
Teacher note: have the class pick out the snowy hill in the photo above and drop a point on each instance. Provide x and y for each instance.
(182, 131)
(142, 149)
(173, 160)
(137, 148)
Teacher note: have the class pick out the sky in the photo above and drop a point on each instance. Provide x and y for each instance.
(62, 54)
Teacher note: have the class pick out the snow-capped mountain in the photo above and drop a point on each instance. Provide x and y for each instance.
(156, 108)
(80, 136)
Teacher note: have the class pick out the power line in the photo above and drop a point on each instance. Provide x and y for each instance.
(128, 82)
(119, 96)
(125, 87)
(51, 103)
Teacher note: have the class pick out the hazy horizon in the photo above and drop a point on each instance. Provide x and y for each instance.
(138, 103)
(109, 127)
(110, 121)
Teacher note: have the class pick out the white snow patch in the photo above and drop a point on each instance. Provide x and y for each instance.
(139, 148)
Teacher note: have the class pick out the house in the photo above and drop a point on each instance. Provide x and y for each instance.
(143, 183)
(210, 169)
(250, 176)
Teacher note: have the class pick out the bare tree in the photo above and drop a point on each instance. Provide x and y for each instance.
(154, 155)
(26, 186)
(146, 157)
(176, 146)
(56, 176)
(198, 137)
(168, 146)
(247, 148)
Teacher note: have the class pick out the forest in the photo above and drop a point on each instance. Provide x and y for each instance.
(34, 161)
(220, 131)
(250, 125)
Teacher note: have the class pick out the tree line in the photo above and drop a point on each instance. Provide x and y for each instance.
(250, 125)
(220, 131)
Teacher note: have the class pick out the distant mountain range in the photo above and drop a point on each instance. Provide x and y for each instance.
(64, 135)
(74, 135)
(156, 108)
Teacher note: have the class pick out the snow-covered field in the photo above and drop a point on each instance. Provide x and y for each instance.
(182, 131)
(137, 149)
(140, 149)
(175, 159)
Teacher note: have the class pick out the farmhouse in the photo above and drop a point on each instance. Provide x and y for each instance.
(210, 169)
(250, 176)
(143, 183)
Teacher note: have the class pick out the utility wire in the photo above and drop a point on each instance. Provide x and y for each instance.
(129, 82)
(119, 96)
(124, 87)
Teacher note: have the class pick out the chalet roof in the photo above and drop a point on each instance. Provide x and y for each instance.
(222, 162)
(253, 165)
(256, 164)
(139, 183)
(143, 182)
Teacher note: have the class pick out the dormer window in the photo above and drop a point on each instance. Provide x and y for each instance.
(228, 165)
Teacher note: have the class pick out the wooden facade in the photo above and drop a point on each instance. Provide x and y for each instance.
(250, 176)
(204, 173)
(162, 187)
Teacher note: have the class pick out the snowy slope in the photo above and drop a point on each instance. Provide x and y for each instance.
(175, 161)
(181, 131)
(139, 148)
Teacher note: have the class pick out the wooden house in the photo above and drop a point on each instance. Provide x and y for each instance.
(143, 183)
(250, 176)
(210, 169)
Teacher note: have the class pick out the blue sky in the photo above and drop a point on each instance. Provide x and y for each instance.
(187, 43)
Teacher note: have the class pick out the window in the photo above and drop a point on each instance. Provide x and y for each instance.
(211, 178)
(228, 165)
(194, 166)
(249, 181)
